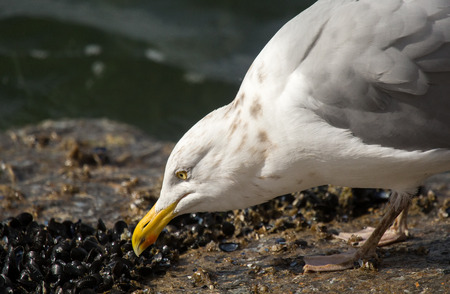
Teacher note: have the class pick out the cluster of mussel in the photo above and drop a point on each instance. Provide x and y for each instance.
(74, 257)
(69, 257)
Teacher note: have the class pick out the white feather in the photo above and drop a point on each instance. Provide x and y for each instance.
(346, 93)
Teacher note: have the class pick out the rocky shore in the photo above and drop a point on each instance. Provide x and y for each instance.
(71, 192)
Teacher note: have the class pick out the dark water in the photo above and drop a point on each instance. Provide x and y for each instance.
(159, 65)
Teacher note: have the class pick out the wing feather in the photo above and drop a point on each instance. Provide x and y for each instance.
(379, 65)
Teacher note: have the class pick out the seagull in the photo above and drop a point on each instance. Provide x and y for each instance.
(349, 93)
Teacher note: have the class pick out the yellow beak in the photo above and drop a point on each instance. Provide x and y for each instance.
(150, 226)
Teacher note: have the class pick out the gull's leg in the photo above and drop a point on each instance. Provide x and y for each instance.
(336, 262)
(396, 233)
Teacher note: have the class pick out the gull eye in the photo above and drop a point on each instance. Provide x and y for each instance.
(182, 174)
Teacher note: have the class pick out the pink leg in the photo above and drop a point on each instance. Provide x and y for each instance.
(396, 233)
(336, 262)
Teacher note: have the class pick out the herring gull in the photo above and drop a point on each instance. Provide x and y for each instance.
(350, 93)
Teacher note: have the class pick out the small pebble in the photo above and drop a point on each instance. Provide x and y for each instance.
(228, 247)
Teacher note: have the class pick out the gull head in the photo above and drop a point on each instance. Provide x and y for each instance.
(214, 167)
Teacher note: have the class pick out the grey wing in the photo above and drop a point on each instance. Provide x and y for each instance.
(382, 70)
